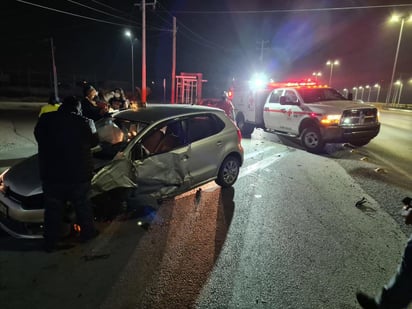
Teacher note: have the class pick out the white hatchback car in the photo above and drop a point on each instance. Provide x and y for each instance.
(162, 150)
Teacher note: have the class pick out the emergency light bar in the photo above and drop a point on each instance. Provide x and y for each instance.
(308, 84)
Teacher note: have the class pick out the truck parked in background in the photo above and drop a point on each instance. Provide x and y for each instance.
(315, 114)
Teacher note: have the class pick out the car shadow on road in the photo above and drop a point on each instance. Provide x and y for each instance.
(182, 243)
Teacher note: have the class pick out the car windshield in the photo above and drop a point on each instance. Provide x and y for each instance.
(313, 95)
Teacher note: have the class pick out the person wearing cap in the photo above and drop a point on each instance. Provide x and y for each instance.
(65, 139)
(90, 107)
(52, 105)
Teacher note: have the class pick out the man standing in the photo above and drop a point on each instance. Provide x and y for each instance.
(65, 139)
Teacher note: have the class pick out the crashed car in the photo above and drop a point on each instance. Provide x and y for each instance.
(161, 150)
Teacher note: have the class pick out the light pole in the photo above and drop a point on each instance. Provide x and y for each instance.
(369, 93)
(399, 91)
(356, 92)
(379, 90)
(396, 18)
(132, 40)
(362, 91)
(345, 92)
(331, 63)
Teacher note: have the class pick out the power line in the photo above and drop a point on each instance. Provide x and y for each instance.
(221, 12)
(72, 14)
(97, 10)
(108, 6)
(135, 24)
(200, 39)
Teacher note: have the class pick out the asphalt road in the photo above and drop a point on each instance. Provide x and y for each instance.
(287, 236)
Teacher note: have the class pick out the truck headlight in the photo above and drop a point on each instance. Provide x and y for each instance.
(330, 120)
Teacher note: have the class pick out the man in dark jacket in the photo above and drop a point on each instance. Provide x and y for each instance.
(90, 106)
(65, 139)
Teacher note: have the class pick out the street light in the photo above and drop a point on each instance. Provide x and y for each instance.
(379, 90)
(317, 74)
(396, 18)
(345, 92)
(132, 40)
(331, 63)
(398, 92)
(363, 90)
(356, 92)
(369, 93)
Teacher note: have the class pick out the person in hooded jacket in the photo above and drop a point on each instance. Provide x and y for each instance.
(65, 139)
(90, 104)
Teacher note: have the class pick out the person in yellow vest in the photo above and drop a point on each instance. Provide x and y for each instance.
(52, 105)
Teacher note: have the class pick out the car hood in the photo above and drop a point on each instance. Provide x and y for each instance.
(337, 106)
(24, 177)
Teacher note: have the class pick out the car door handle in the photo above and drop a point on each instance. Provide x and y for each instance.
(219, 143)
(184, 158)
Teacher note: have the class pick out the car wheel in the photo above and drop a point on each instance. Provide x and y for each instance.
(312, 140)
(245, 128)
(228, 172)
(360, 143)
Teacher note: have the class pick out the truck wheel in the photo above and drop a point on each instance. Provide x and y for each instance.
(244, 127)
(312, 140)
(360, 143)
(228, 172)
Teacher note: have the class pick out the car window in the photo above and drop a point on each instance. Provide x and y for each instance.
(114, 135)
(290, 96)
(163, 138)
(313, 95)
(109, 132)
(202, 126)
(275, 96)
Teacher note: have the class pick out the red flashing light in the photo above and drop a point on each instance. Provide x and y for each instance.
(296, 84)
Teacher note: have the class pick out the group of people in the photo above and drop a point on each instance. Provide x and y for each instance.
(66, 133)
(95, 104)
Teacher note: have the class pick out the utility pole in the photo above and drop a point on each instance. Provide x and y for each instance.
(56, 94)
(172, 99)
(144, 90)
(262, 47)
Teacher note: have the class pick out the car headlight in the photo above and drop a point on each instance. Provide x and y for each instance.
(330, 120)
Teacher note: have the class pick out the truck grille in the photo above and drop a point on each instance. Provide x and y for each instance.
(364, 116)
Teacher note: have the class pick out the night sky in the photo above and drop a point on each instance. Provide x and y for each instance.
(221, 39)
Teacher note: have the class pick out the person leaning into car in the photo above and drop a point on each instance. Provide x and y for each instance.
(65, 139)
(91, 107)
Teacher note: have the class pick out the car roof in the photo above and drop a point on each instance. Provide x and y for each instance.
(155, 112)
